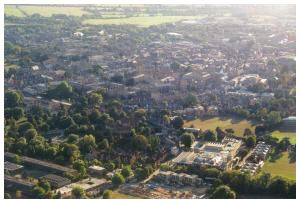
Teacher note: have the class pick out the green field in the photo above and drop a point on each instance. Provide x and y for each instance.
(46, 11)
(144, 21)
(280, 135)
(238, 125)
(118, 195)
(281, 167)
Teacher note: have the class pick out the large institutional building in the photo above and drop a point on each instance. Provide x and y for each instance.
(218, 154)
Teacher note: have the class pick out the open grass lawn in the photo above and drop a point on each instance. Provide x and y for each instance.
(118, 195)
(281, 167)
(12, 10)
(43, 10)
(238, 125)
(144, 21)
(280, 135)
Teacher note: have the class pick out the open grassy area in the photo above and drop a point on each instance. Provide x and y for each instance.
(280, 135)
(118, 195)
(12, 10)
(144, 21)
(281, 167)
(238, 125)
(43, 10)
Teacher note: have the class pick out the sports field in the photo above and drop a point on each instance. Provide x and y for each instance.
(238, 125)
(281, 167)
(280, 135)
(143, 21)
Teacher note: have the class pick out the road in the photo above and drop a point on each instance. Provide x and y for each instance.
(245, 158)
(153, 174)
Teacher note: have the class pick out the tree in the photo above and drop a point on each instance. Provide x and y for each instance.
(229, 130)
(95, 99)
(15, 113)
(21, 145)
(68, 152)
(260, 130)
(279, 187)
(142, 173)
(166, 120)
(94, 117)
(126, 171)
(12, 99)
(251, 141)
(107, 194)
(104, 144)
(61, 91)
(187, 139)
(190, 101)
(284, 144)
(110, 166)
(273, 119)
(23, 127)
(87, 143)
(80, 166)
(239, 182)
(223, 192)
(118, 179)
(220, 133)
(38, 192)
(177, 122)
(247, 132)
(45, 185)
(140, 142)
(78, 193)
(209, 135)
(72, 139)
(30, 134)
(7, 196)
(66, 122)
(262, 182)
(154, 142)
(292, 191)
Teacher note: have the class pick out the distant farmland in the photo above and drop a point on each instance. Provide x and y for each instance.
(143, 21)
(47, 11)
(238, 125)
(108, 18)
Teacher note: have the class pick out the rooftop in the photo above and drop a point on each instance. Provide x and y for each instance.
(11, 166)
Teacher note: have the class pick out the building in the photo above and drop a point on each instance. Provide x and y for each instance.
(55, 180)
(289, 124)
(252, 167)
(30, 162)
(192, 130)
(12, 168)
(13, 183)
(260, 151)
(88, 185)
(216, 154)
(97, 170)
(179, 178)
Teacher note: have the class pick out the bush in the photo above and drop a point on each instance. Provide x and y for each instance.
(107, 194)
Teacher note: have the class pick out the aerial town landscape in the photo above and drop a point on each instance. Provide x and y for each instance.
(149, 101)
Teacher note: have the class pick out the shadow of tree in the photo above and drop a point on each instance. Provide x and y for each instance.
(275, 156)
(292, 157)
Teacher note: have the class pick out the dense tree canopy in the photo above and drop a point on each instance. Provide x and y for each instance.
(223, 192)
(61, 91)
(187, 139)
